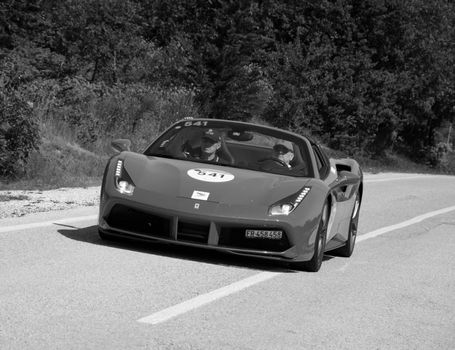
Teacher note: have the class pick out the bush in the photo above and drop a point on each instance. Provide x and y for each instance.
(18, 135)
(92, 114)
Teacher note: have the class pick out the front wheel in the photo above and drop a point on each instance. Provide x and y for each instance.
(348, 248)
(315, 263)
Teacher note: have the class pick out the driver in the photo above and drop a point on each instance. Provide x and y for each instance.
(210, 144)
(284, 154)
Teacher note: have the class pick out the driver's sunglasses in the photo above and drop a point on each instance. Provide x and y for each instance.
(206, 140)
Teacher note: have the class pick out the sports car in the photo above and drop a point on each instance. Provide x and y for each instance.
(236, 187)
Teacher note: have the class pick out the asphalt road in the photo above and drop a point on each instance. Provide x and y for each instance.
(61, 287)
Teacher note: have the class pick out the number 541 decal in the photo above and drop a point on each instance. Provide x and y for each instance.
(210, 175)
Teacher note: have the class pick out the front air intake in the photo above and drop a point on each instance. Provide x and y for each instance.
(193, 232)
(128, 219)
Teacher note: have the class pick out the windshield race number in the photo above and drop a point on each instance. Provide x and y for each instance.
(197, 123)
(210, 175)
(186, 124)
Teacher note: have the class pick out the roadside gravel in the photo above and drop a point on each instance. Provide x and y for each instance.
(19, 203)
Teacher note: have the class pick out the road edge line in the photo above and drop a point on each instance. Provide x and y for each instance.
(403, 224)
(368, 179)
(31, 225)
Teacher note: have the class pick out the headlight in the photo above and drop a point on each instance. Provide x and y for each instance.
(124, 187)
(281, 209)
(287, 205)
(123, 182)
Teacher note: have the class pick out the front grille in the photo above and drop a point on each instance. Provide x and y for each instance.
(129, 219)
(234, 237)
(193, 232)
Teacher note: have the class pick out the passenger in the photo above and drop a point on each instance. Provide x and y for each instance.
(283, 154)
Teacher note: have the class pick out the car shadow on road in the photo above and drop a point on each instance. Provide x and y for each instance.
(90, 235)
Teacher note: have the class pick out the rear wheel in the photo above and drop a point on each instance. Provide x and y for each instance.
(315, 263)
(348, 248)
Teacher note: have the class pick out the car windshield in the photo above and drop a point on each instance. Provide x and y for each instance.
(235, 144)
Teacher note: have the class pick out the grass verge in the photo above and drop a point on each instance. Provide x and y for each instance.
(60, 164)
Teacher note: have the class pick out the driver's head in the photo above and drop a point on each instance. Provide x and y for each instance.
(283, 153)
(211, 141)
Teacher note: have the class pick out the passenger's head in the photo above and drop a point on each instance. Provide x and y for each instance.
(283, 153)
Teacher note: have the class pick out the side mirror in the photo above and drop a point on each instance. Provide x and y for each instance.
(121, 145)
(346, 178)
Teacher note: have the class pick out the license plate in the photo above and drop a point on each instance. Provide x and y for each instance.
(264, 234)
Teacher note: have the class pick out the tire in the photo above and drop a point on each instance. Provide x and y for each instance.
(347, 250)
(315, 263)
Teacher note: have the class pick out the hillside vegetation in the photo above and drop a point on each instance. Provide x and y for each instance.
(368, 78)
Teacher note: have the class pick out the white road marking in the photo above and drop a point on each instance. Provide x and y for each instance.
(370, 180)
(203, 299)
(47, 223)
(404, 224)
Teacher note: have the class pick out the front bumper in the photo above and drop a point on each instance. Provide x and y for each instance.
(208, 229)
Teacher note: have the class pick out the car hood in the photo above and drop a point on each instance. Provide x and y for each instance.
(208, 182)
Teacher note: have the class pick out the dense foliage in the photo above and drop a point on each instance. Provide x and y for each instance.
(361, 75)
(18, 135)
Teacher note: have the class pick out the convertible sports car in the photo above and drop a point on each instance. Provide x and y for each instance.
(236, 187)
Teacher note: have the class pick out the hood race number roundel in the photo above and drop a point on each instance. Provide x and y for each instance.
(210, 175)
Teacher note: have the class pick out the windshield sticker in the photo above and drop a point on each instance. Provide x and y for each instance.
(203, 196)
(197, 123)
(210, 175)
